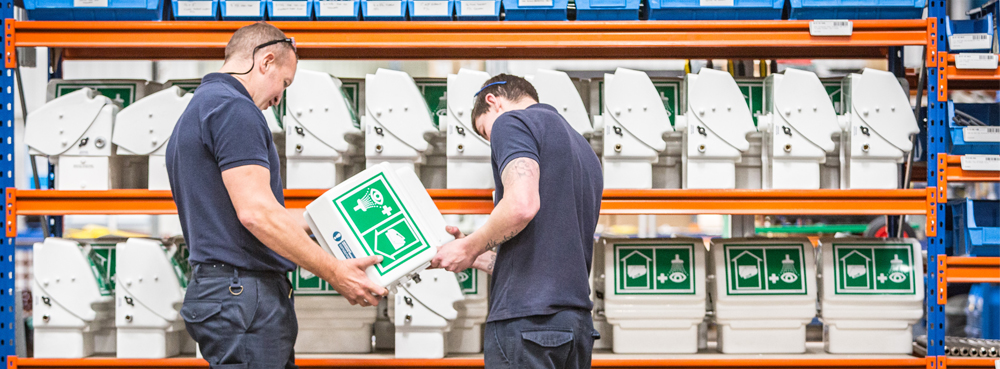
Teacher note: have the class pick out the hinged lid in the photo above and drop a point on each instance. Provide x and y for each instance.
(147, 124)
(393, 101)
(58, 124)
(632, 101)
(717, 102)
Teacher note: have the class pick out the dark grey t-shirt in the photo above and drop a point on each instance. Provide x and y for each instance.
(545, 268)
(221, 129)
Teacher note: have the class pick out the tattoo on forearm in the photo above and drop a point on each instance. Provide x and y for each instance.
(493, 261)
(492, 244)
(520, 168)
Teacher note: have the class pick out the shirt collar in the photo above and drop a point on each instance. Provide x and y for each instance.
(226, 78)
(543, 107)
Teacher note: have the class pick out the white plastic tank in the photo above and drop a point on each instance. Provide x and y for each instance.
(468, 152)
(764, 294)
(149, 292)
(634, 122)
(654, 293)
(871, 294)
(466, 336)
(597, 295)
(396, 121)
(144, 128)
(328, 324)
(423, 310)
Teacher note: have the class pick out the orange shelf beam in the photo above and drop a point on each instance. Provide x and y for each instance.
(955, 172)
(476, 40)
(972, 269)
(971, 79)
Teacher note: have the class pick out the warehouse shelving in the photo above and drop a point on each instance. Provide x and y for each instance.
(506, 40)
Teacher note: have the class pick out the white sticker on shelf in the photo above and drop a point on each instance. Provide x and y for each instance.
(431, 8)
(385, 8)
(717, 2)
(970, 41)
(981, 134)
(840, 27)
(291, 8)
(534, 2)
(336, 8)
(478, 7)
(976, 61)
(195, 8)
(90, 3)
(981, 162)
(243, 8)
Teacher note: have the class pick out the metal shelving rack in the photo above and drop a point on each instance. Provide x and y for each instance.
(515, 40)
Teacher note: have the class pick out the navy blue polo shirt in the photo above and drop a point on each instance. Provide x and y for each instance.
(221, 129)
(545, 268)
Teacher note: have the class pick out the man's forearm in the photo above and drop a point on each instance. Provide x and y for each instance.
(503, 224)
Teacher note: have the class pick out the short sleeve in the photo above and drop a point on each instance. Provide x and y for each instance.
(511, 139)
(240, 136)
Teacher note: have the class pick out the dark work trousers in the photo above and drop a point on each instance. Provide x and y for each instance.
(241, 319)
(561, 340)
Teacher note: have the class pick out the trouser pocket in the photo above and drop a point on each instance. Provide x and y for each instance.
(545, 348)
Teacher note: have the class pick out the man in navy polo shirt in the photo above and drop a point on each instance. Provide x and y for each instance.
(548, 197)
(225, 177)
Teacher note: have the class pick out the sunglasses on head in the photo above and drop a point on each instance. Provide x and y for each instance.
(290, 41)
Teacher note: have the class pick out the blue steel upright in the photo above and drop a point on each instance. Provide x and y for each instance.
(937, 128)
(7, 297)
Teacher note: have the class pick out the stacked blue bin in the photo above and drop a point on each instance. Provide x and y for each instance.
(430, 10)
(715, 9)
(337, 10)
(196, 9)
(290, 10)
(535, 10)
(856, 9)
(95, 10)
(383, 10)
(970, 121)
(607, 10)
(477, 10)
(971, 36)
(243, 9)
(975, 227)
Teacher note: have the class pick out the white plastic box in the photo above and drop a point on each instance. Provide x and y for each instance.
(871, 294)
(328, 324)
(466, 336)
(149, 292)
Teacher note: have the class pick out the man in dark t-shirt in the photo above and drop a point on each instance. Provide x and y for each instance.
(225, 177)
(548, 198)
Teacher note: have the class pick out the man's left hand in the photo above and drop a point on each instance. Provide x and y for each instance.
(455, 256)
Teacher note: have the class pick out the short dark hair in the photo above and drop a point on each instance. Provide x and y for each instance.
(513, 88)
(246, 38)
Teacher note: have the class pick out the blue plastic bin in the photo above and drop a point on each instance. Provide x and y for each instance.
(856, 9)
(337, 10)
(95, 10)
(243, 9)
(477, 10)
(970, 36)
(430, 10)
(290, 10)
(987, 113)
(195, 9)
(975, 227)
(607, 9)
(383, 10)
(715, 9)
(535, 10)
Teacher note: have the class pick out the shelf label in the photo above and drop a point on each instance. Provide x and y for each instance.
(831, 28)
(90, 3)
(765, 270)
(981, 134)
(290, 8)
(385, 8)
(717, 2)
(194, 8)
(431, 8)
(534, 2)
(243, 8)
(336, 8)
(478, 7)
(970, 41)
(874, 269)
(654, 269)
(976, 61)
(981, 162)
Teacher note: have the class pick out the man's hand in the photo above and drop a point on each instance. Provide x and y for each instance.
(349, 278)
(455, 256)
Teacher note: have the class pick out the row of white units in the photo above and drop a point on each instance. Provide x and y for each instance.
(100, 297)
(763, 293)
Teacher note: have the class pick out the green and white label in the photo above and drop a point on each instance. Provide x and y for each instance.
(874, 269)
(121, 93)
(468, 280)
(435, 94)
(654, 269)
(753, 92)
(765, 270)
(102, 264)
(377, 218)
(306, 283)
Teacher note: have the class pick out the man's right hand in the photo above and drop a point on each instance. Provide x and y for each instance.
(349, 278)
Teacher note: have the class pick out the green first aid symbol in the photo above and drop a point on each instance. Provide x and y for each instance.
(874, 269)
(467, 279)
(654, 269)
(376, 217)
(755, 270)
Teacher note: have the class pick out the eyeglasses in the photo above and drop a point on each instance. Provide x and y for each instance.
(290, 41)
(488, 86)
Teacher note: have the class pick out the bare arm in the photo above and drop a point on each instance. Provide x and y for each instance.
(258, 211)
(297, 215)
(485, 262)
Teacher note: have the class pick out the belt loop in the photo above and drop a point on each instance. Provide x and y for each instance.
(235, 284)
(194, 273)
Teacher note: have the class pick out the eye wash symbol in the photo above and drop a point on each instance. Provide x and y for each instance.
(371, 200)
(788, 273)
(896, 272)
(677, 274)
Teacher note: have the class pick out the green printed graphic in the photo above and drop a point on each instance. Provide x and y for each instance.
(102, 263)
(760, 270)
(753, 92)
(468, 279)
(435, 93)
(654, 269)
(308, 284)
(375, 215)
(874, 269)
(121, 93)
(180, 263)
